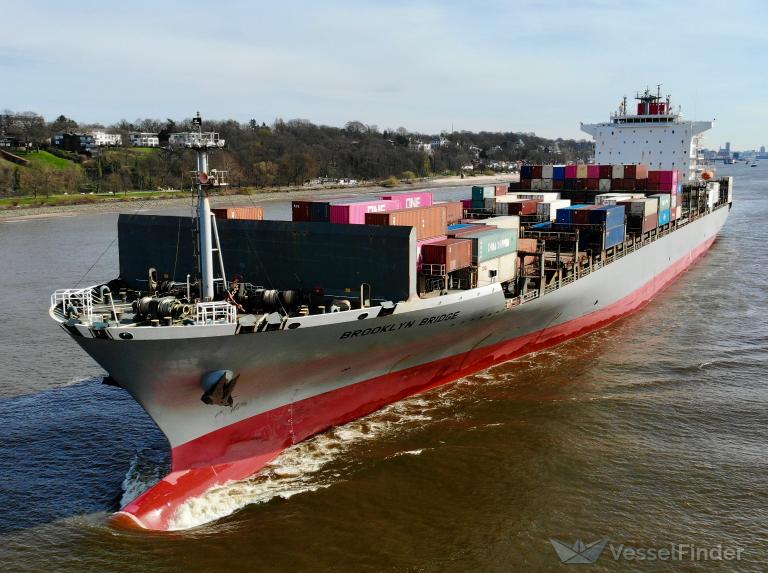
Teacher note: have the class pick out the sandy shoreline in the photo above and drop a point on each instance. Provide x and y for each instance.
(26, 213)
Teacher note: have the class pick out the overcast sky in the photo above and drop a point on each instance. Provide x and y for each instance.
(541, 66)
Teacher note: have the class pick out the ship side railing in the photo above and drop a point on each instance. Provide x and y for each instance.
(629, 246)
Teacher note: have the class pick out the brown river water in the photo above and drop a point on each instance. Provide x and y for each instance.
(649, 433)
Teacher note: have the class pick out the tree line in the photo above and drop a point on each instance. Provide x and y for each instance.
(283, 153)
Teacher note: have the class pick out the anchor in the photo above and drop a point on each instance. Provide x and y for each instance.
(218, 387)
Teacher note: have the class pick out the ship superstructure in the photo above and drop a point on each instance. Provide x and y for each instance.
(655, 135)
(234, 368)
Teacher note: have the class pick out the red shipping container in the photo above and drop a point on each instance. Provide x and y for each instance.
(629, 171)
(641, 172)
(641, 184)
(420, 248)
(479, 228)
(525, 184)
(667, 176)
(558, 184)
(628, 185)
(300, 211)
(522, 207)
(606, 172)
(652, 185)
(653, 176)
(593, 184)
(571, 171)
(536, 172)
(466, 204)
(428, 221)
(455, 254)
(581, 184)
(454, 211)
(593, 171)
(248, 213)
(501, 190)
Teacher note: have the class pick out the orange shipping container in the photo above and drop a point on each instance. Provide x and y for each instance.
(454, 211)
(428, 221)
(250, 213)
(527, 245)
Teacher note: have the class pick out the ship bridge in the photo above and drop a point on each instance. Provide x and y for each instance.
(656, 135)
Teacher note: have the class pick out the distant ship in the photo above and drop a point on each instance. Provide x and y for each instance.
(234, 373)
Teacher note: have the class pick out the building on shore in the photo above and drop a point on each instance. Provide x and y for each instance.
(144, 139)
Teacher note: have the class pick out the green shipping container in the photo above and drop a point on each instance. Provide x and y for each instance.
(480, 192)
(491, 244)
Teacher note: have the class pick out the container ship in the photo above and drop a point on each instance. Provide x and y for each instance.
(241, 336)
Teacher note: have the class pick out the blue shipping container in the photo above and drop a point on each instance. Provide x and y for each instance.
(558, 172)
(541, 226)
(480, 192)
(478, 204)
(320, 211)
(526, 172)
(664, 217)
(614, 236)
(458, 226)
(602, 239)
(608, 215)
(565, 214)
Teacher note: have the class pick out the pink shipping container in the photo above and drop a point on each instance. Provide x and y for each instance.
(501, 190)
(411, 200)
(593, 171)
(571, 171)
(354, 213)
(420, 244)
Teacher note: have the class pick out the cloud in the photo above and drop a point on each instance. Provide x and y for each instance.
(529, 65)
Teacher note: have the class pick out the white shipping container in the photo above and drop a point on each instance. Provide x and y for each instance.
(490, 203)
(604, 185)
(617, 172)
(643, 207)
(548, 209)
(678, 211)
(498, 270)
(714, 195)
(536, 184)
(613, 198)
(503, 222)
(546, 172)
(546, 184)
(538, 195)
(673, 200)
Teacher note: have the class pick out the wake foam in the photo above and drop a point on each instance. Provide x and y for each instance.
(144, 472)
(304, 467)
